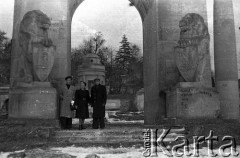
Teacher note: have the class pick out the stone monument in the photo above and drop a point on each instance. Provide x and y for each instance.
(31, 93)
(193, 96)
(90, 69)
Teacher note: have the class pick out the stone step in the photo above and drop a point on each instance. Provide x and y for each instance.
(112, 131)
(114, 121)
(111, 134)
(118, 115)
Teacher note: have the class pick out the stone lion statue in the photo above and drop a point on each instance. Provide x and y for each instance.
(192, 52)
(33, 32)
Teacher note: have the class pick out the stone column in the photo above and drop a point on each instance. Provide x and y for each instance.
(154, 102)
(154, 105)
(31, 98)
(226, 72)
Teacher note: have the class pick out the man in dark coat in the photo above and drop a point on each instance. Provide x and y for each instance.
(98, 100)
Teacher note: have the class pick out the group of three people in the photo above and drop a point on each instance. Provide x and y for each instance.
(82, 100)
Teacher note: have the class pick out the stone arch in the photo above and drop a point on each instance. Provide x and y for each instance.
(153, 103)
(141, 5)
(142, 9)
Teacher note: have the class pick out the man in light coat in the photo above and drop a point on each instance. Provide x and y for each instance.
(66, 96)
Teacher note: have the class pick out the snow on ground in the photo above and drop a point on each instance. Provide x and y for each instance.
(103, 152)
(112, 121)
(81, 152)
(118, 121)
(5, 154)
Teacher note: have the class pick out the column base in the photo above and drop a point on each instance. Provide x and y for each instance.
(192, 101)
(33, 103)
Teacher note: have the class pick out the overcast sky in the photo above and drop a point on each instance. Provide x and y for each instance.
(111, 17)
(6, 16)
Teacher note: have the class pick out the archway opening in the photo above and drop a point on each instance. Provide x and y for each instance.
(113, 31)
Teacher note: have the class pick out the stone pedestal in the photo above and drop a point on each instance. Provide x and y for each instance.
(192, 101)
(38, 101)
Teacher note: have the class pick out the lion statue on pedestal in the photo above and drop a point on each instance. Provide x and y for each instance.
(34, 61)
(192, 52)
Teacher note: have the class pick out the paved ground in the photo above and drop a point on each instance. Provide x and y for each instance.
(117, 140)
(122, 137)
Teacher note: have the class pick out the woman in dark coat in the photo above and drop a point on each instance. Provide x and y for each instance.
(81, 101)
